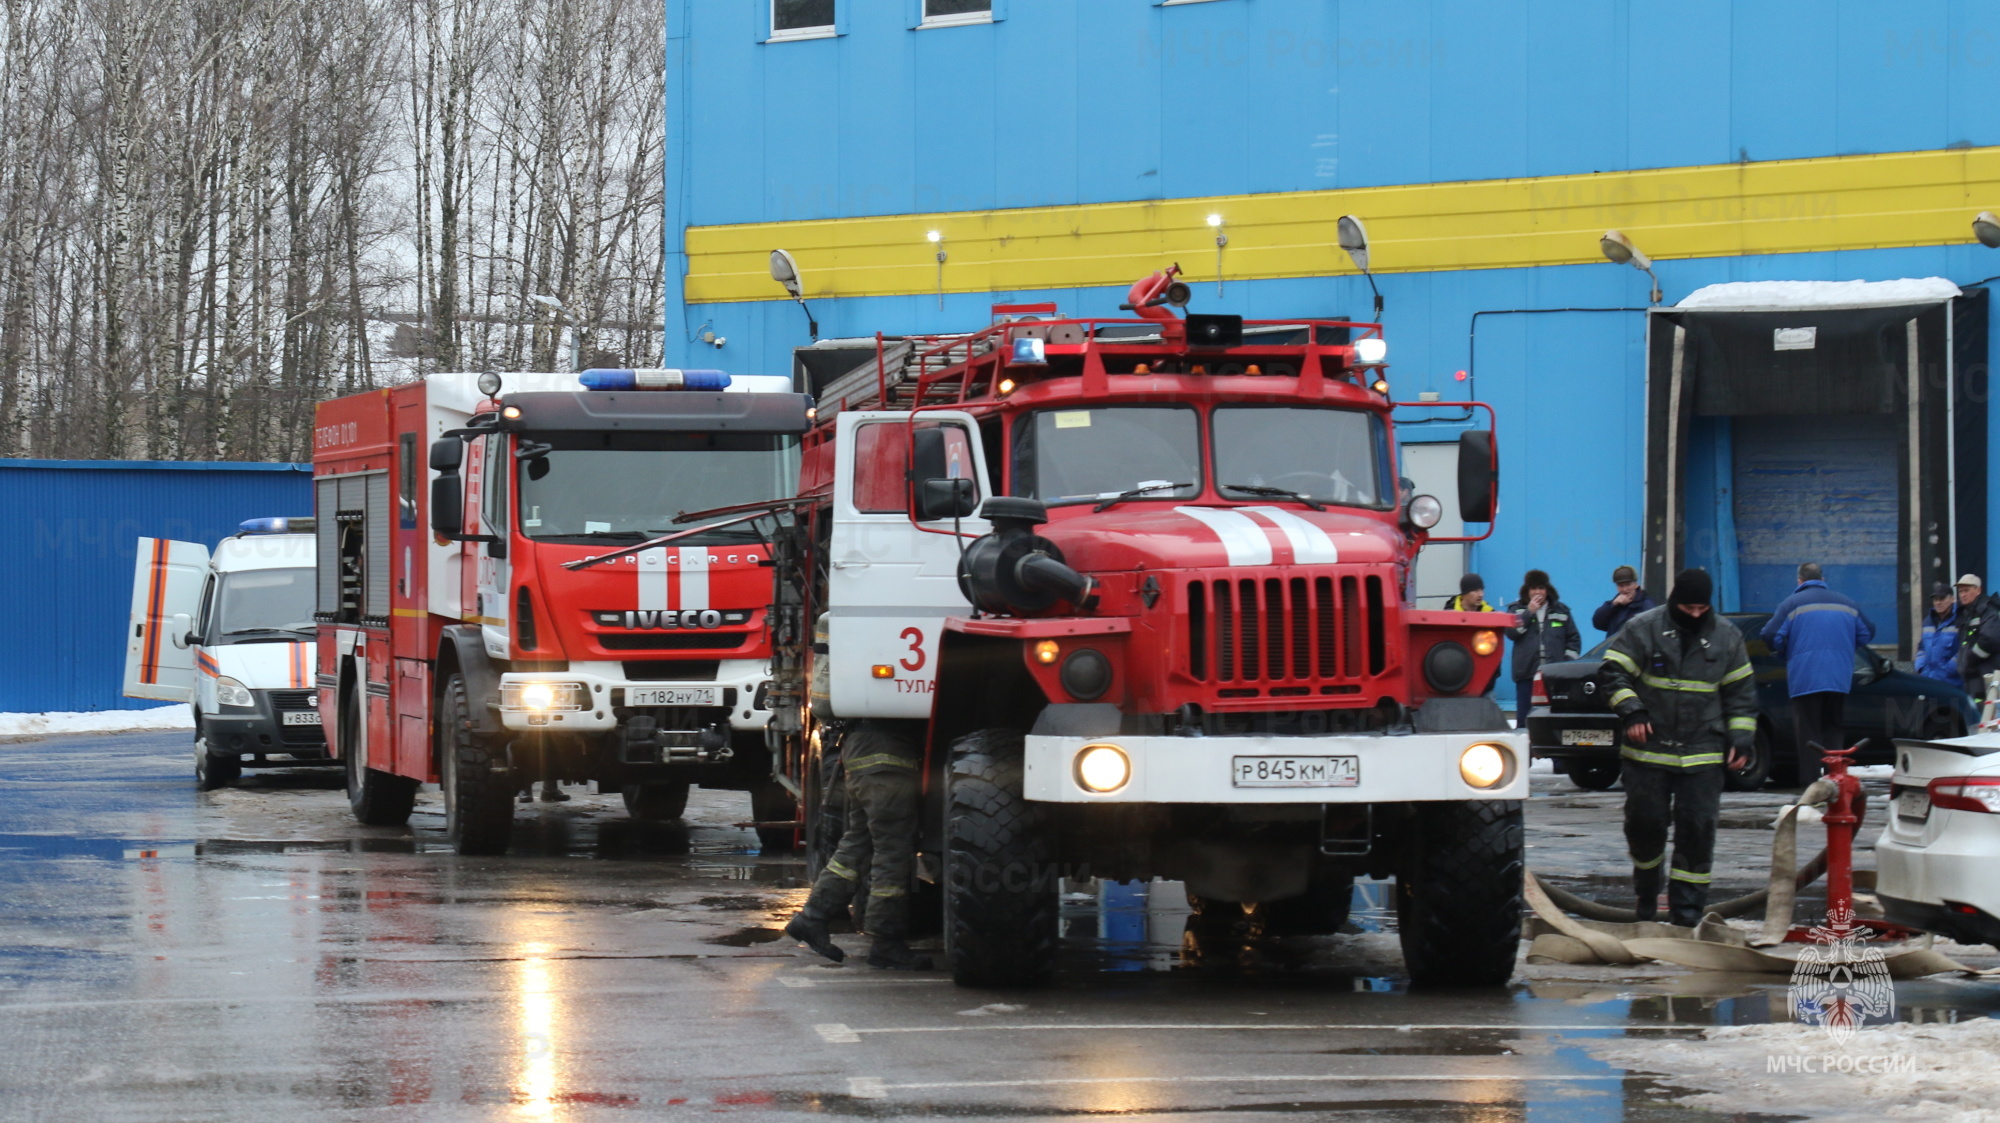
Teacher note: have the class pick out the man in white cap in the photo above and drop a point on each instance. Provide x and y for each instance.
(1979, 635)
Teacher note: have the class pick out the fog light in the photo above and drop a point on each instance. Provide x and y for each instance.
(1483, 765)
(1086, 674)
(538, 695)
(1102, 768)
(1485, 643)
(1046, 651)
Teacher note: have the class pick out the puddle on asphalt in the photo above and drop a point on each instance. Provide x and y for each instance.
(746, 937)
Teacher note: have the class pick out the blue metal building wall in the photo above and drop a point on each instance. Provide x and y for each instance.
(1062, 102)
(66, 560)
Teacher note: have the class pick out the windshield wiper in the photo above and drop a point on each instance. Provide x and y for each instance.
(1136, 492)
(1276, 493)
(267, 632)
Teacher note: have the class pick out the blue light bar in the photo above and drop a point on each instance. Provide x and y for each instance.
(605, 378)
(278, 525)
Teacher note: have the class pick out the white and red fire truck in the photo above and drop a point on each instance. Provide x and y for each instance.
(456, 648)
(1140, 590)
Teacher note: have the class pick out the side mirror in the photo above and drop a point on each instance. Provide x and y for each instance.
(180, 629)
(933, 491)
(447, 454)
(447, 501)
(1478, 476)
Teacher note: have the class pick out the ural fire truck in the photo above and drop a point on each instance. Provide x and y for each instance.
(456, 648)
(1177, 638)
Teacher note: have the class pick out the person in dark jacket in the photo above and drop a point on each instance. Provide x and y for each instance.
(881, 760)
(1815, 631)
(1680, 680)
(1546, 633)
(1630, 601)
(1978, 635)
(1937, 652)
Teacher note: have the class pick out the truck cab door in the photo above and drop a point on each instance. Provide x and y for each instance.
(490, 469)
(891, 581)
(167, 580)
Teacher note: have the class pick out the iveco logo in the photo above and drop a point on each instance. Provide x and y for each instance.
(655, 619)
(1589, 687)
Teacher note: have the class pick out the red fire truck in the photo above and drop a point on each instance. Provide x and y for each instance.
(1140, 591)
(456, 648)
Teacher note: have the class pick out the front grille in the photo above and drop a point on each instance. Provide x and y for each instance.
(672, 670)
(304, 736)
(674, 641)
(1286, 631)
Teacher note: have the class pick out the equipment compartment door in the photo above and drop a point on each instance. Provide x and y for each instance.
(892, 582)
(166, 580)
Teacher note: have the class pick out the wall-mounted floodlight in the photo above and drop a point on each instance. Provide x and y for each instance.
(1620, 250)
(936, 238)
(1215, 222)
(785, 271)
(1354, 239)
(1986, 228)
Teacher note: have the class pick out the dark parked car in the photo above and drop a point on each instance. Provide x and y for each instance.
(1576, 729)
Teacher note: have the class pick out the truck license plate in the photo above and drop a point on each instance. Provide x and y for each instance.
(1295, 771)
(670, 696)
(299, 717)
(1587, 737)
(1913, 803)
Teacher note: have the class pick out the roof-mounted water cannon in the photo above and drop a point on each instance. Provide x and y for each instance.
(785, 271)
(1354, 239)
(608, 378)
(1150, 292)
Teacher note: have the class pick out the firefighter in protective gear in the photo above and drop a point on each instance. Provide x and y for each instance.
(1679, 677)
(881, 763)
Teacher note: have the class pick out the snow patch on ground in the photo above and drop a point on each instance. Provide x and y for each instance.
(1819, 294)
(1899, 1071)
(172, 716)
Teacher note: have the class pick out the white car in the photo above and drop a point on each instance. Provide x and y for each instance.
(231, 632)
(1939, 855)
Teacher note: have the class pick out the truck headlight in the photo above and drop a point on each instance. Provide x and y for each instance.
(1086, 674)
(1483, 765)
(541, 697)
(229, 692)
(1102, 768)
(1448, 667)
(1425, 511)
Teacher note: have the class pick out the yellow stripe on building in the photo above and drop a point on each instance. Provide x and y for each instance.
(1722, 210)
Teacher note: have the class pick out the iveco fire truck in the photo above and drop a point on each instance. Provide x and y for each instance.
(1139, 590)
(455, 647)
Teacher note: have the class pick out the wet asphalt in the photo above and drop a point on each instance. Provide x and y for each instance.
(253, 954)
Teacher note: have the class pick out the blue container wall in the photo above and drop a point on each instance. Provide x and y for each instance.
(1064, 103)
(66, 560)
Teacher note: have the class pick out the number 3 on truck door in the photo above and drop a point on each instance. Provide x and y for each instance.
(914, 661)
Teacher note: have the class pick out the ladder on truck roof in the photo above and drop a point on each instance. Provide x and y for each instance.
(905, 372)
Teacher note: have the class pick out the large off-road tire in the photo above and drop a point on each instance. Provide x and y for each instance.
(772, 802)
(1594, 777)
(1000, 878)
(1458, 893)
(656, 803)
(211, 771)
(377, 799)
(1319, 911)
(478, 800)
(1751, 777)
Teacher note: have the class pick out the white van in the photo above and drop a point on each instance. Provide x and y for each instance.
(231, 632)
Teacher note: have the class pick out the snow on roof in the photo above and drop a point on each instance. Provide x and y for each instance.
(1751, 295)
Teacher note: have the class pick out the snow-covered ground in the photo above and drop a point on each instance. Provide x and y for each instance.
(1942, 1071)
(174, 715)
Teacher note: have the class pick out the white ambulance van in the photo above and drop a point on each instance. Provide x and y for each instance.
(231, 633)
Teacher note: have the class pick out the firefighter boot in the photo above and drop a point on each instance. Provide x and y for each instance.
(889, 922)
(809, 926)
(1646, 887)
(1686, 903)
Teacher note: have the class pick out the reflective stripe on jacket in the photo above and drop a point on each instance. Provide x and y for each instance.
(1815, 631)
(1699, 698)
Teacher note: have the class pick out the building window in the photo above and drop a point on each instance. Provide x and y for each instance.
(947, 13)
(801, 19)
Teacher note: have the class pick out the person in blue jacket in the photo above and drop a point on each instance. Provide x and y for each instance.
(1815, 631)
(1937, 653)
